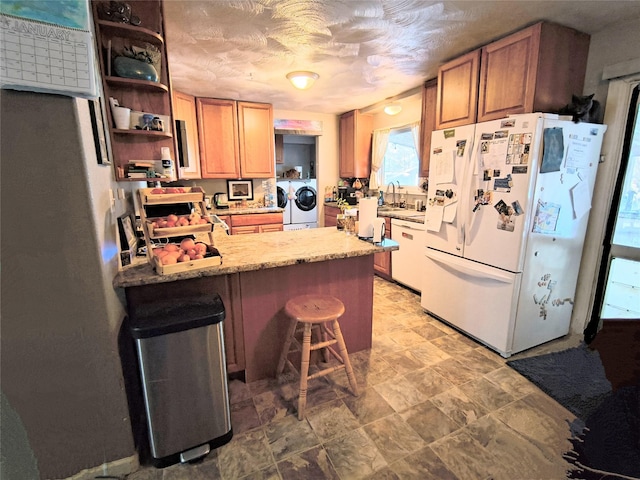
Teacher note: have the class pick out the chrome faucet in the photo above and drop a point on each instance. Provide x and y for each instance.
(393, 185)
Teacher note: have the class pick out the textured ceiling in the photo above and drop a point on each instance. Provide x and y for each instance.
(364, 51)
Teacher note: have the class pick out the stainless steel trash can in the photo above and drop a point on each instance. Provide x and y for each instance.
(180, 348)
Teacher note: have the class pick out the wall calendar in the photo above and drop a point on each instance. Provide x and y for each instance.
(47, 47)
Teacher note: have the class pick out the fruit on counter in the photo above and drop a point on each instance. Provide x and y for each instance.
(161, 191)
(185, 252)
(178, 221)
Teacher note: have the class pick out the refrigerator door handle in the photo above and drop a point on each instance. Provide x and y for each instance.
(464, 197)
(464, 266)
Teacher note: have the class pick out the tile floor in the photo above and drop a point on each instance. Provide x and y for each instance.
(433, 404)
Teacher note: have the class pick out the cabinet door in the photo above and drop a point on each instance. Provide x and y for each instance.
(382, 261)
(355, 145)
(276, 227)
(279, 149)
(256, 137)
(427, 124)
(218, 137)
(508, 75)
(330, 215)
(458, 91)
(245, 230)
(184, 108)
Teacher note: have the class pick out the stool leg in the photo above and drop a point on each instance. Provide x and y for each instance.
(304, 370)
(342, 348)
(287, 344)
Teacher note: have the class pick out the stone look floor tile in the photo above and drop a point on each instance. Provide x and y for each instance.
(290, 435)
(244, 416)
(368, 406)
(422, 465)
(355, 456)
(465, 457)
(400, 394)
(429, 421)
(488, 395)
(312, 464)
(331, 420)
(428, 381)
(456, 405)
(245, 454)
(393, 437)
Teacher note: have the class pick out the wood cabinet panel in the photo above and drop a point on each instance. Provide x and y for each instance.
(184, 108)
(458, 91)
(218, 138)
(279, 141)
(534, 70)
(382, 261)
(255, 134)
(427, 123)
(330, 215)
(257, 223)
(355, 144)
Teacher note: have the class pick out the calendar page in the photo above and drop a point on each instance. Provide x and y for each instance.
(47, 47)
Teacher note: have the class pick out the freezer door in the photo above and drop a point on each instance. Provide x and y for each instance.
(449, 160)
(504, 166)
(475, 298)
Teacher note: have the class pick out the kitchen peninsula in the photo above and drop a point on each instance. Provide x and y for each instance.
(259, 273)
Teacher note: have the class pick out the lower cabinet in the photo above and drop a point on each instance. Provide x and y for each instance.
(382, 261)
(330, 215)
(255, 223)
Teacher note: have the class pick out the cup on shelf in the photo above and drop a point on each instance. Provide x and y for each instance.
(121, 117)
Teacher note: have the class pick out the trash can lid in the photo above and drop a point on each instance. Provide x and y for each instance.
(162, 318)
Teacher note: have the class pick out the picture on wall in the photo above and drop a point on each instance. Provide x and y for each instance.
(240, 189)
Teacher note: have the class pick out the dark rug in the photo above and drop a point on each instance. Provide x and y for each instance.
(575, 378)
(606, 434)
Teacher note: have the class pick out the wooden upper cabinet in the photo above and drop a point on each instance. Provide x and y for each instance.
(457, 90)
(534, 70)
(256, 137)
(279, 148)
(184, 108)
(236, 139)
(355, 144)
(427, 123)
(218, 137)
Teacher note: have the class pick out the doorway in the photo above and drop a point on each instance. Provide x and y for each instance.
(617, 293)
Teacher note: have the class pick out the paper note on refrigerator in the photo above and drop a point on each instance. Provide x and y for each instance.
(449, 213)
(433, 218)
(546, 217)
(580, 199)
(442, 166)
(577, 154)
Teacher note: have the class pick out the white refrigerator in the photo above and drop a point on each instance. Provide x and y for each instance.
(508, 206)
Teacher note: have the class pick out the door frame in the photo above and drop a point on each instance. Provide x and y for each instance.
(616, 113)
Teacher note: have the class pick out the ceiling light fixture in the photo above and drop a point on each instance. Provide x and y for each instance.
(302, 79)
(392, 108)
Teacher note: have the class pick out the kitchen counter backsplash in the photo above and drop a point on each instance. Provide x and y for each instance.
(408, 214)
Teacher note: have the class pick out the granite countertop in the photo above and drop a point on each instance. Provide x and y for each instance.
(399, 213)
(244, 253)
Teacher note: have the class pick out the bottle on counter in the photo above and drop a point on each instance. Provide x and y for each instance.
(335, 194)
(381, 199)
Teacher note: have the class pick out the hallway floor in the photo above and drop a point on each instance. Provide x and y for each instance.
(433, 404)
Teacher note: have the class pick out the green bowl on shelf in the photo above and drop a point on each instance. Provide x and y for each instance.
(131, 68)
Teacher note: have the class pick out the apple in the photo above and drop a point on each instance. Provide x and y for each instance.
(200, 248)
(184, 258)
(172, 218)
(183, 222)
(187, 244)
(157, 191)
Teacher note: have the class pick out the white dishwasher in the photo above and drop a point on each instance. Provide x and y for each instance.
(406, 263)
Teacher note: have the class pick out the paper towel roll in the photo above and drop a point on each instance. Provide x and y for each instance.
(367, 213)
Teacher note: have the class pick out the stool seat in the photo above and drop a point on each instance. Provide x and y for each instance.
(320, 312)
(314, 308)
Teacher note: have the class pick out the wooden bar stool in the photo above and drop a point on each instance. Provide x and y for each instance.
(312, 311)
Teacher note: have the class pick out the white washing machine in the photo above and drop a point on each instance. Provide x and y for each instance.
(299, 198)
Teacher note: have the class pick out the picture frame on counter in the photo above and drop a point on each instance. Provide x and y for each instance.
(128, 239)
(100, 135)
(240, 189)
